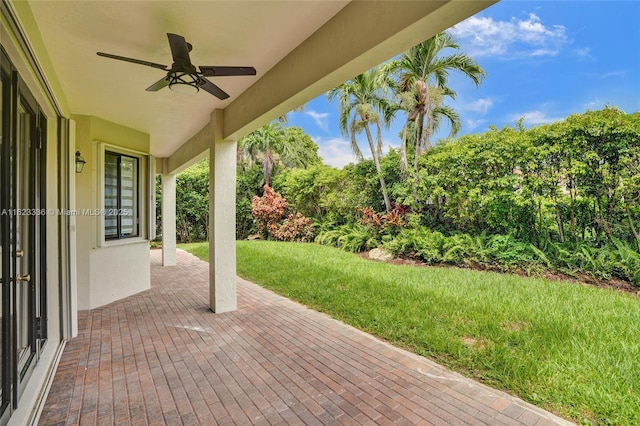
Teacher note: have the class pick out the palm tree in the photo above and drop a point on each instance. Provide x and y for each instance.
(423, 73)
(272, 145)
(361, 102)
(261, 145)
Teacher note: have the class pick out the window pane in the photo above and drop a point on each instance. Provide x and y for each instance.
(120, 196)
(128, 195)
(110, 195)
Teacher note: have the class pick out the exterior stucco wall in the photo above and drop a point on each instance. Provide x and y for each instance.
(117, 272)
(105, 272)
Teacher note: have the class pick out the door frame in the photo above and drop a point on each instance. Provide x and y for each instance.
(21, 213)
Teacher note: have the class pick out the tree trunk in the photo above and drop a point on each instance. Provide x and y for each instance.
(404, 165)
(632, 226)
(572, 213)
(540, 221)
(267, 166)
(376, 160)
(429, 127)
(560, 224)
(603, 222)
(418, 142)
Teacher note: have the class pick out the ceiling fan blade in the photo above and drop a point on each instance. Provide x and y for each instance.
(208, 71)
(135, 61)
(213, 89)
(160, 84)
(179, 49)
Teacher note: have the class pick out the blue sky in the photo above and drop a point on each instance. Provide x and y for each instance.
(544, 61)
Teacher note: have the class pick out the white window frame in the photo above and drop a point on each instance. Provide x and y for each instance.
(143, 194)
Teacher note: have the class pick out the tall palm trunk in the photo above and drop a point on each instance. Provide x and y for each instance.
(404, 165)
(418, 140)
(376, 161)
(428, 130)
(267, 166)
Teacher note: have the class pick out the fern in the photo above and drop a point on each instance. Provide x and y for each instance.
(351, 237)
(541, 256)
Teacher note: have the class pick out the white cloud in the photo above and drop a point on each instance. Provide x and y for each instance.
(614, 74)
(583, 53)
(319, 118)
(473, 124)
(335, 152)
(482, 36)
(535, 117)
(479, 105)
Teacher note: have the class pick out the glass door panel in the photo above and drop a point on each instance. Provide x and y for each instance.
(22, 236)
(5, 239)
(2, 214)
(24, 239)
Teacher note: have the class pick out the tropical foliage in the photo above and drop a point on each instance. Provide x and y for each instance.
(273, 146)
(563, 197)
(422, 73)
(363, 102)
(192, 203)
(269, 211)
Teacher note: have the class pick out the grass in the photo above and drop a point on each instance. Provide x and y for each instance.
(201, 250)
(570, 349)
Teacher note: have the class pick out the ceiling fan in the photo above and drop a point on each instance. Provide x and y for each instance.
(183, 76)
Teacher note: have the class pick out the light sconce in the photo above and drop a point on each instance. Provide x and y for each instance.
(183, 82)
(80, 162)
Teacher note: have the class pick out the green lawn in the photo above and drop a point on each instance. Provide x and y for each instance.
(571, 349)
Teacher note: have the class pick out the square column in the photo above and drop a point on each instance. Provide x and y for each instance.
(168, 220)
(222, 219)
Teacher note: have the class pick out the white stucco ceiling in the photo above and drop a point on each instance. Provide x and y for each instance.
(243, 33)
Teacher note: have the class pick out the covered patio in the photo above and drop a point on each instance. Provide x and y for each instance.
(144, 345)
(162, 357)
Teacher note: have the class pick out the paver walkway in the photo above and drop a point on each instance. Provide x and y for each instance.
(162, 357)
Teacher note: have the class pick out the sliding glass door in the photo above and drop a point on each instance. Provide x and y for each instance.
(22, 237)
(4, 238)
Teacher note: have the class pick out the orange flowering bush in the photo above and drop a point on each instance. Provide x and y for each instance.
(268, 212)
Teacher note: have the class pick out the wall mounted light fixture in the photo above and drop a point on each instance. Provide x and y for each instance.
(80, 162)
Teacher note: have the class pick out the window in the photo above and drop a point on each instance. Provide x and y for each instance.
(121, 196)
(122, 205)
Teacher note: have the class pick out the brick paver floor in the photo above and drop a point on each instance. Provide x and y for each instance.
(162, 357)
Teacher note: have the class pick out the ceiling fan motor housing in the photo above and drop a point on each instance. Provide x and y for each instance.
(183, 76)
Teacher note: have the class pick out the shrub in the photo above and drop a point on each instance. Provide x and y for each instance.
(295, 228)
(418, 243)
(352, 237)
(385, 223)
(268, 210)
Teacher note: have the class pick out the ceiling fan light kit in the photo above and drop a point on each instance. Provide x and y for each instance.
(184, 83)
(184, 77)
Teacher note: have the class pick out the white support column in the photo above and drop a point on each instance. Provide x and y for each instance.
(168, 220)
(222, 219)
